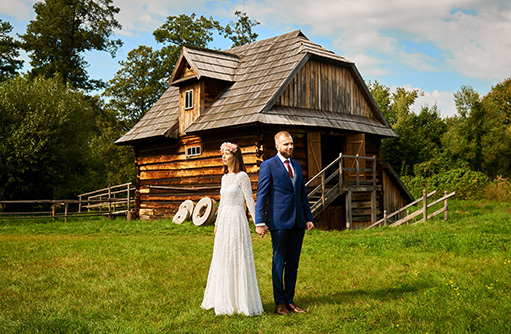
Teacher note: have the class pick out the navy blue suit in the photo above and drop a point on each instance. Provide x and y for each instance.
(285, 209)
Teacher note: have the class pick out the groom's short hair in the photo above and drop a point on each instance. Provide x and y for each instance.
(280, 134)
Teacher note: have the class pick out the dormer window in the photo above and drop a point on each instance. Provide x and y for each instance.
(189, 99)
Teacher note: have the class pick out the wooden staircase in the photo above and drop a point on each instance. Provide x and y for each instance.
(347, 174)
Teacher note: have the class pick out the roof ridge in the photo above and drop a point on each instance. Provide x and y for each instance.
(198, 48)
(292, 34)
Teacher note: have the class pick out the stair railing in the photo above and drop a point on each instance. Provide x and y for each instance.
(329, 194)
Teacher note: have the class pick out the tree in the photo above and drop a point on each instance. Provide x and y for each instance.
(500, 97)
(179, 31)
(136, 86)
(382, 96)
(470, 129)
(62, 31)
(400, 152)
(45, 130)
(143, 77)
(240, 32)
(111, 164)
(9, 52)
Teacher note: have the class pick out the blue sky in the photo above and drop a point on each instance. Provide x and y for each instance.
(435, 46)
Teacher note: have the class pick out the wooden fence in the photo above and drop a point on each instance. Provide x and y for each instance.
(113, 201)
(419, 215)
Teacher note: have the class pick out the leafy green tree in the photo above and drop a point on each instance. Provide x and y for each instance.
(467, 133)
(480, 135)
(383, 98)
(420, 134)
(45, 130)
(110, 164)
(136, 86)
(63, 31)
(399, 152)
(500, 97)
(9, 52)
(240, 32)
(143, 76)
(496, 141)
(179, 31)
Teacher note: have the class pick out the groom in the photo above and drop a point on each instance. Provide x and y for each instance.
(281, 194)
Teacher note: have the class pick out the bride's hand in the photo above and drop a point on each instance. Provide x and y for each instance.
(261, 230)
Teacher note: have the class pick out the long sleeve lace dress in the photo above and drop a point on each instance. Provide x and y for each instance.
(232, 282)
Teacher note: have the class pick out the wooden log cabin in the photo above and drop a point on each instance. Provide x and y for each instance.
(247, 94)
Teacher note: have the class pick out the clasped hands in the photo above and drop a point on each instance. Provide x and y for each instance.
(261, 230)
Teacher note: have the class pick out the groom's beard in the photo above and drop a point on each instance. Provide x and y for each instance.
(285, 154)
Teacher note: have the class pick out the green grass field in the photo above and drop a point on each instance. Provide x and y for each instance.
(104, 276)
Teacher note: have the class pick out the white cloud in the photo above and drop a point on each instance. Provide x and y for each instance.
(469, 39)
(443, 100)
(473, 35)
(19, 9)
(147, 15)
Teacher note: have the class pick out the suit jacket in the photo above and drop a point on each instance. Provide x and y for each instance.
(283, 203)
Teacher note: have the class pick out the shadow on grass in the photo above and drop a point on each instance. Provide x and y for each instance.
(371, 293)
(356, 295)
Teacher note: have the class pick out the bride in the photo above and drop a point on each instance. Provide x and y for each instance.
(232, 282)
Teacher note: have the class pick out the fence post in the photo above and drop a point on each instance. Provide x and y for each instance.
(65, 211)
(446, 206)
(385, 217)
(53, 210)
(128, 198)
(425, 204)
(109, 202)
(79, 203)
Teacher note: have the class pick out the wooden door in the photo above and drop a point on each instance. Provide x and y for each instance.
(314, 155)
(355, 144)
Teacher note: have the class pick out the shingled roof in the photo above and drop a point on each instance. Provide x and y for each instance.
(258, 72)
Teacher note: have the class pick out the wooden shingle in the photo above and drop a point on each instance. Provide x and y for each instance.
(260, 77)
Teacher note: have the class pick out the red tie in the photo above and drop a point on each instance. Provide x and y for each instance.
(289, 169)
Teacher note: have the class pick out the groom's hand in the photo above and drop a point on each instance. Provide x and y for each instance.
(310, 226)
(261, 230)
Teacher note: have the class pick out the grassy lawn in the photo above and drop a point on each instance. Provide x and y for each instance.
(103, 276)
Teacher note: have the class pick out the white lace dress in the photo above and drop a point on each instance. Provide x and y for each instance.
(232, 282)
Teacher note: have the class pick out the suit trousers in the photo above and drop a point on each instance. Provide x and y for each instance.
(287, 245)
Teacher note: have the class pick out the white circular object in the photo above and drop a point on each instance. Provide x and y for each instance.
(189, 205)
(181, 215)
(204, 212)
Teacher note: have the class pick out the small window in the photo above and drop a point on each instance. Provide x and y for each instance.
(193, 151)
(189, 99)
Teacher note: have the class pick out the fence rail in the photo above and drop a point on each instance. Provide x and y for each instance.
(421, 212)
(113, 201)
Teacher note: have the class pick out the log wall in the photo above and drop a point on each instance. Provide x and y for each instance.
(167, 166)
(323, 86)
(167, 177)
(394, 198)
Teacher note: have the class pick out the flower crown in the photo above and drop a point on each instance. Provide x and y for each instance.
(229, 146)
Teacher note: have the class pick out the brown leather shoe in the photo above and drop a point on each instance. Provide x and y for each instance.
(293, 308)
(281, 309)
